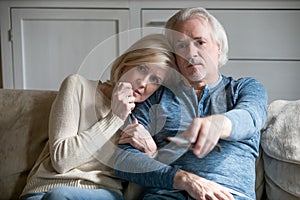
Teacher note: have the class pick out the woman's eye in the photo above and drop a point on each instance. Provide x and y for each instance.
(155, 80)
(141, 68)
(181, 46)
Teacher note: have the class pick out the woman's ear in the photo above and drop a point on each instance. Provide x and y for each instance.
(121, 73)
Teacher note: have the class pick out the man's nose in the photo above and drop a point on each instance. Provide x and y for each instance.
(192, 51)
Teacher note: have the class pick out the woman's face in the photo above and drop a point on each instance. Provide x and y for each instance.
(145, 79)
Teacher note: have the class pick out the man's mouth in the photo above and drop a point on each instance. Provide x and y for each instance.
(194, 62)
(189, 65)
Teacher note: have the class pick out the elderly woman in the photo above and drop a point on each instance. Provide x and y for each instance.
(86, 122)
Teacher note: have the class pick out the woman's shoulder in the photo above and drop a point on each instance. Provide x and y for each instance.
(73, 79)
(76, 81)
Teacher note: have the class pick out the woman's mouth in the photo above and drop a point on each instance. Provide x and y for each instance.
(137, 93)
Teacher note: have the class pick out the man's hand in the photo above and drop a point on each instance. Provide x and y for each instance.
(136, 135)
(204, 133)
(200, 188)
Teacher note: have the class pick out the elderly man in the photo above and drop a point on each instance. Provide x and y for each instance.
(212, 121)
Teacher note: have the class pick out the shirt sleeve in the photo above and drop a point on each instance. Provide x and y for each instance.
(135, 166)
(250, 110)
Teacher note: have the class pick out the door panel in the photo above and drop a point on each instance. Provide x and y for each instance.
(49, 44)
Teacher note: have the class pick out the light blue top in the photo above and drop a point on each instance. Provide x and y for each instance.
(170, 110)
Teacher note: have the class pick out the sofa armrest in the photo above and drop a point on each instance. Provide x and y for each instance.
(280, 142)
(24, 118)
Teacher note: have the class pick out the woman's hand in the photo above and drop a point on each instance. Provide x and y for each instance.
(122, 102)
(136, 135)
(200, 188)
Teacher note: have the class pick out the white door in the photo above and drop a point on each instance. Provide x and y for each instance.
(49, 44)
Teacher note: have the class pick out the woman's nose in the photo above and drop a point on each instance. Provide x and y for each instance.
(142, 82)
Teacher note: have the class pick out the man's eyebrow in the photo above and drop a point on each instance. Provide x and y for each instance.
(198, 38)
(190, 39)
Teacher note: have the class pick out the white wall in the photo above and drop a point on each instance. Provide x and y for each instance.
(263, 38)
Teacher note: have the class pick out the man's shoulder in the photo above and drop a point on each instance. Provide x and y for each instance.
(163, 93)
(240, 81)
(162, 96)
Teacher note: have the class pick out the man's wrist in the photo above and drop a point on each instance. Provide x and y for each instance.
(226, 125)
(180, 180)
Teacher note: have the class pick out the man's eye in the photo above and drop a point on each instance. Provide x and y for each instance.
(200, 43)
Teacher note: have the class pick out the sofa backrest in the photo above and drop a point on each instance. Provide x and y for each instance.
(24, 116)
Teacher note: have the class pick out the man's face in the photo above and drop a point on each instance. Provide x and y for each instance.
(196, 51)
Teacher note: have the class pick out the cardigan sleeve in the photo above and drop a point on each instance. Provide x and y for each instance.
(70, 146)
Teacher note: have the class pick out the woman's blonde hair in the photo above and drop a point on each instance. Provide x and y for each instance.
(153, 49)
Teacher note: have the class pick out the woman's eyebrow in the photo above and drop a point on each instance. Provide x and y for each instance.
(158, 77)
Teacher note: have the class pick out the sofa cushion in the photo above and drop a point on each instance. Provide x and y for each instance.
(24, 118)
(280, 141)
(260, 179)
(282, 179)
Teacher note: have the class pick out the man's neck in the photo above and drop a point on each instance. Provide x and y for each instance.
(198, 87)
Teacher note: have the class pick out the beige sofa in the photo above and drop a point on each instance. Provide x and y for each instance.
(23, 132)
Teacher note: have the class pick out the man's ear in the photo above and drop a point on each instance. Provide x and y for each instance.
(219, 50)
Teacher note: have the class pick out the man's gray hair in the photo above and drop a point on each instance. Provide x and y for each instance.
(218, 32)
